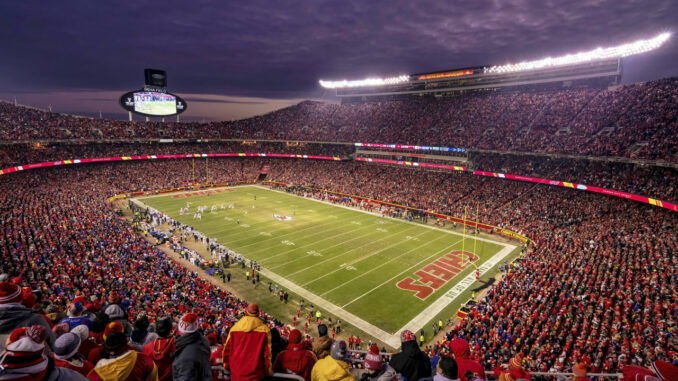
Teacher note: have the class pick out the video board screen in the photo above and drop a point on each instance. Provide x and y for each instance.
(152, 103)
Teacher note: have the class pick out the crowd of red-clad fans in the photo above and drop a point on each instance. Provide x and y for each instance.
(596, 291)
(636, 120)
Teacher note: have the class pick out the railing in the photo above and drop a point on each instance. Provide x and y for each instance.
(224, 374)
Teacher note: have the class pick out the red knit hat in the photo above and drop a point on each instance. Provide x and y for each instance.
(212, 338)
(294, 337)
(407, 336)
(113, 327)
(252, 310)
(516, 362)
(24, 351)
(373, 359)
(188, 323)
(28, 299)
(9, 293)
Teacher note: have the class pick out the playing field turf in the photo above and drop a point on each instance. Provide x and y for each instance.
(350, 259)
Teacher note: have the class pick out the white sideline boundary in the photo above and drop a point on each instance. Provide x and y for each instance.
(392, 339)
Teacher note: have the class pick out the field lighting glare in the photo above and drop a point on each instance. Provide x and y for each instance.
(637, 47)
(364, 82)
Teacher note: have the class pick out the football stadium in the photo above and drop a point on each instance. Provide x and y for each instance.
(493, 221)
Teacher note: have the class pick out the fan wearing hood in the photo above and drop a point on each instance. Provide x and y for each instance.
(296, 358)
(462, 354)
(162, 349)
(411, 362)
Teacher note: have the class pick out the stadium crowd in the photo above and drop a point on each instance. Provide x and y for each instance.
(634, 120)
(597, 288)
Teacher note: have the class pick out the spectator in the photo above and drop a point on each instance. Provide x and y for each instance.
(140, 335)
(66, 354)
(446, 370)
(411, 362)
(374, 367)
(465, 365)
(514, 372)
(247, 352)
(24, 358)
(120, 362)
(334, 366)
(86, 343)
(323, 344)
(162, 349)
(192, 355)
(296, 359)
(75, 318)
(14, 315)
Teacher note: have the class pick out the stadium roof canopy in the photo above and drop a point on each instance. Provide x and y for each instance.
(602, 63)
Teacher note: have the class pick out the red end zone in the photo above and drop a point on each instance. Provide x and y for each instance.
(202, 193)
(434, 275)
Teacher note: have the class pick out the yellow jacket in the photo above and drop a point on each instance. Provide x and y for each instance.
(329, 369)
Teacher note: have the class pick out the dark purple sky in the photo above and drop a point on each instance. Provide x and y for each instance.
(279, 49)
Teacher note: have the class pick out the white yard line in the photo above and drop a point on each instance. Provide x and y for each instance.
(344, 253)
(362, 258)
(315, 242)
(387, 262)
(379, 215)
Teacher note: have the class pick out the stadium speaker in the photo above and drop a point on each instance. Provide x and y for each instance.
(155, 77)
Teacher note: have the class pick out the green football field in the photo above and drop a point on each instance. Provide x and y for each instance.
(378, 273)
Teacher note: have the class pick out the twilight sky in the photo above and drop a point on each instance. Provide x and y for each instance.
(232, 59)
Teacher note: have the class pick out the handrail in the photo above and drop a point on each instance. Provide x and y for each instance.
(227, 374)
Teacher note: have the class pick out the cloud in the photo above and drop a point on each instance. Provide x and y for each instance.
(279, 50)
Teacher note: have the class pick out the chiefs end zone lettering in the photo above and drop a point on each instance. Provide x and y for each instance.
(434, 275)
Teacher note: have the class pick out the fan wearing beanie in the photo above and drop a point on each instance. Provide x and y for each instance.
(162, 349)
(192, 354)
(411, 362)
(296, 359)
(322, 345)
(375, 368)
(334, 366)
(66, 354)
(97, 353)
(15, 315)
(120, 362)
(247, 351)
(23, 358)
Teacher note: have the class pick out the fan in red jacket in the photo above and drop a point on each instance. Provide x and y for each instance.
(296, 358)
(247, 352)
(462, 352)
(162, 349)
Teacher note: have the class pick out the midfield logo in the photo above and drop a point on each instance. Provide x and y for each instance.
(280, 217)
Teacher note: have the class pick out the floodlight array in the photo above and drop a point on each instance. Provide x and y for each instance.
(367, 82)
(637, 47)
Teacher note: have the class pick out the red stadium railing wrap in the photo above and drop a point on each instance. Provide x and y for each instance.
(610, 192)
(154, 157)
